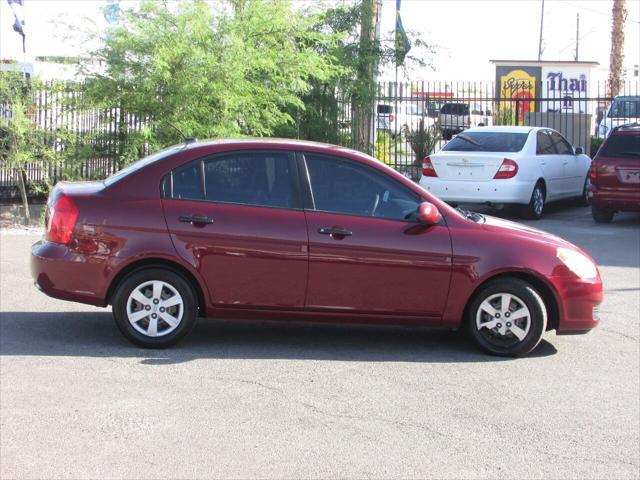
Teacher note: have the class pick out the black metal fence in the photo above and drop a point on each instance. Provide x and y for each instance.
(402, 122)
(407, 117)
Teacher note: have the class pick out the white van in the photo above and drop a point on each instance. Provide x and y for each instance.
(623, 110)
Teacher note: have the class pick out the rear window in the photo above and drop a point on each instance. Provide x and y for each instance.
(455, 109)
(487, 142)
(627, 146)
(134, 167)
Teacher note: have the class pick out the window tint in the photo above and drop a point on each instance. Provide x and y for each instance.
(187, 182)
(627, 146)
(340, 186)
(560, 144)
(544, 144)
(249, 178)
(487, 142)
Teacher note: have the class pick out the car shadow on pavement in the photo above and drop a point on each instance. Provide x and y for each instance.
(94, 334)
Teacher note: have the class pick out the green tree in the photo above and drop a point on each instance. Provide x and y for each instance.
(21, 141)
(229, 72)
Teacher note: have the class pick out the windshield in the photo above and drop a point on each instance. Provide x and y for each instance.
(140, 164)
(625, 108)
(487, 142)
(627, 146)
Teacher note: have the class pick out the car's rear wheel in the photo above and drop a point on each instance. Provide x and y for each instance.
(154, 308)
(602, 215)
(535, 208)
(507, 317)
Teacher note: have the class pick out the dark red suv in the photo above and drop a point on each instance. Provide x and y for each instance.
(290, 230)
(615, 174)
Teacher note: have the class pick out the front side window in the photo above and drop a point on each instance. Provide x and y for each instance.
(544, 144)
(561, 145)
(248, 178)
(341, 186)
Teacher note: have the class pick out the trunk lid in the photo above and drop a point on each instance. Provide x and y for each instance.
(468, 166)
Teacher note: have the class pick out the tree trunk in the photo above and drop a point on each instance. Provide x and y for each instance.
(22, 186)
(364, 89)
(618, 14)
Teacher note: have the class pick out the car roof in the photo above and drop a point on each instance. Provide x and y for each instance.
(505, 129)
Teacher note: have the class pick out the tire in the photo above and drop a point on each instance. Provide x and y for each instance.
(602, 215)
(488, 320)
(535, 208)
(584, 200)
(146, 291)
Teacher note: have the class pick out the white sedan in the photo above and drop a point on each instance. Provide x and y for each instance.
(530, 166)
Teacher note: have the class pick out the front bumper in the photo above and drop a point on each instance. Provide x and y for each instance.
(578, 303)
(491, 191)
(61, 273)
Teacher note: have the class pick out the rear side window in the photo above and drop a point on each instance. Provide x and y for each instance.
(544, 145)
(385, 109)
(627, 146)
(487, 142)
(247, 178)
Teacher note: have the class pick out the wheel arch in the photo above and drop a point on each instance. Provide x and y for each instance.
(543, 288)
(159, 263)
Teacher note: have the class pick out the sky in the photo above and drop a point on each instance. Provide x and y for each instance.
(467, 33)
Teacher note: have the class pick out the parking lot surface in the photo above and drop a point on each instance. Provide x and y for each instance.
(274, 400)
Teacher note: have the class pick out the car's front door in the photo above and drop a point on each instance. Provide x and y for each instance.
(235, 218)
(551, 164)
(366, 254)
(574, 174)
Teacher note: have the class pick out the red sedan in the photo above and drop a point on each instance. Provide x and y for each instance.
(288, 230)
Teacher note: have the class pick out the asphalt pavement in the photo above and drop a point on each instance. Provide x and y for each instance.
(273, 400)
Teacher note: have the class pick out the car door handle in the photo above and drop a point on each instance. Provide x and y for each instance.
(195, 219)
(339, 232)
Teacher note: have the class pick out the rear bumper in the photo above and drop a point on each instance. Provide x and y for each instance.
(578, 304)
(626, 200)
(66, 275)
(492, 191)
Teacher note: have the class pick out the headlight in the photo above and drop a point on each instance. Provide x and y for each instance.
(578, 263)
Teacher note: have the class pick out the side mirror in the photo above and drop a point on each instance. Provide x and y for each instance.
(428, 214)
(578, 150)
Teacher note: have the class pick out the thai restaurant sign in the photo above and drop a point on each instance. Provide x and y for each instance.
(544, 86)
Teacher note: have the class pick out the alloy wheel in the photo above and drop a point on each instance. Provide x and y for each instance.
(538, 201)
(503, 319)
(155, 308)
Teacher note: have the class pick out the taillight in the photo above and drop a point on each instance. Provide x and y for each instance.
(593, 174)
(508, 169)
(391, 118)
(427, 168)
(62, 220)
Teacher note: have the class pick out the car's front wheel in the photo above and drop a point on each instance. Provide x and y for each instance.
(507, 317)
(154, 307)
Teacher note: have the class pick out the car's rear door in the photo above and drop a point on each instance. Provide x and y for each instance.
(236, 217)
(365, 256)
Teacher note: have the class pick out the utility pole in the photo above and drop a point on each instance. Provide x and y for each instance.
(364, 90)
(577, 36)
(618, 14)
(540, 38)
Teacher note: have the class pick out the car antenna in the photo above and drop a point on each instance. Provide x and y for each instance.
(187, 140)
